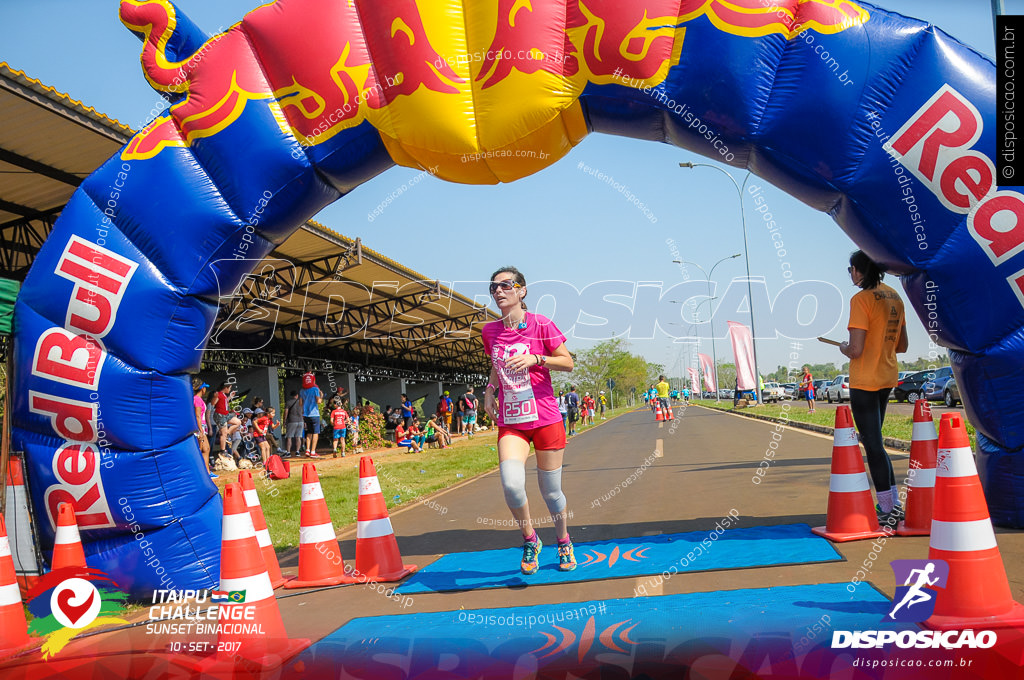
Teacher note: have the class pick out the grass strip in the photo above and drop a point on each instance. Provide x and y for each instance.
(896, 426)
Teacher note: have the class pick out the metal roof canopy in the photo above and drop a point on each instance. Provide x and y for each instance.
(49, 143)
(322, 296)
(318, 297)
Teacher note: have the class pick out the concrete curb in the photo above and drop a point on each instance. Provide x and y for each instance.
(898, 444)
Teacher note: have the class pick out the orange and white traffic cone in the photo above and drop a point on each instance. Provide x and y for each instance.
(377, 556)
(13, 627)
(668, 413)
(252, 501)
(921, 475)
(851, 513)
(250, 627)
(658, 415)
(320, 562)
(28, 570)
(67, 544)
(977, 592)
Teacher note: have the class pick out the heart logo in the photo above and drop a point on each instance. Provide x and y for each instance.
(73, 612)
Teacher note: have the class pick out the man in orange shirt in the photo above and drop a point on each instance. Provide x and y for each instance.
(878, 331)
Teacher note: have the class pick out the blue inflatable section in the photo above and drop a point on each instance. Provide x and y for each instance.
(884, 122)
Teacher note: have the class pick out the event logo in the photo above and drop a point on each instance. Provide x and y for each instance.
(915, 599)
(914, 602)
(70, 601)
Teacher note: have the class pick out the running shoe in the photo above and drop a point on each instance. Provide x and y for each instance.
(566, 557)
(531, 554)
(890, 519)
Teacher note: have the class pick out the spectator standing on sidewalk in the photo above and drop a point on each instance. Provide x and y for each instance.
(293, 424)
(878, 332)
(407, 410)
(469, 404)
(312, 398)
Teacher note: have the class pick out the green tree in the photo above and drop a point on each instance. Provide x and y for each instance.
(611, 360)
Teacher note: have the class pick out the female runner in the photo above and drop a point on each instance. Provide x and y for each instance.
(524, 349)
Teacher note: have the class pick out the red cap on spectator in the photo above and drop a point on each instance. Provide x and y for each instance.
(308, 380)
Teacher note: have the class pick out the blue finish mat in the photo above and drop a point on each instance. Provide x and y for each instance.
(642, 556)
(782, 622)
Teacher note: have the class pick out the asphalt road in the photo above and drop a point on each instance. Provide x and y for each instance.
(707, 463)
(701, 468)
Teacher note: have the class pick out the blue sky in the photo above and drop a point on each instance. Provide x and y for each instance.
(560, 224)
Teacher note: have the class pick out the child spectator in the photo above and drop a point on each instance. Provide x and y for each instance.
(356, 412)
(402, 438)
(436, 433)
(260, 424)
(339, 419)
(416, 434)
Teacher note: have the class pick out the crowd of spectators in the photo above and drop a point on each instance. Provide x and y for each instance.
(231, 432)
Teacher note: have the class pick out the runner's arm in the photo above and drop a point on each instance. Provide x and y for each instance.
(490, 404)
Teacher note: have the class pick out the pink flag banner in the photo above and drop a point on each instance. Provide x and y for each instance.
(743, 348)
(709, 372)
(694, 383)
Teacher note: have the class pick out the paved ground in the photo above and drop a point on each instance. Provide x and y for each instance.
(701, 467)
(705, 470)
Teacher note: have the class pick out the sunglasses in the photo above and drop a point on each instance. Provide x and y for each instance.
(849, 270)
(507, 284)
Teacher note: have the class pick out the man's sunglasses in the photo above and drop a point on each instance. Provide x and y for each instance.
(507, 284)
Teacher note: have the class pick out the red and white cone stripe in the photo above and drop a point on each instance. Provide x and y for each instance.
(854, 482)
(977, 593)
(851, 514)
(970, 533)
(13, 627)
(377, 554)
(9, 592)
(845, 436)
(316, 532)
(252, 502)
(320, 561)
(372, 528)
(924, 431)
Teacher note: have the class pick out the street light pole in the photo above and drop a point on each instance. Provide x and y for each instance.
(711, 311)
(746, 257)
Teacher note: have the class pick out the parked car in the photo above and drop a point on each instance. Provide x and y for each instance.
(935, 388)
(772, 392)
(838, 389)
(724, 393)
(792, 390)
(951, 395)
(910, 387)
(819, 387)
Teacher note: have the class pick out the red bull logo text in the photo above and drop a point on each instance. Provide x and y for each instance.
(937, 146)
(74, 356)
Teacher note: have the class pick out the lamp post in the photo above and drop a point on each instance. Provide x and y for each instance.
(746, 257)
(693, 327)
(707, 276)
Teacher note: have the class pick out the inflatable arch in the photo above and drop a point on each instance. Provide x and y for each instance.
(884, 122)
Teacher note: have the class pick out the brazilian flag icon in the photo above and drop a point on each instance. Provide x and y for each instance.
(237, 596)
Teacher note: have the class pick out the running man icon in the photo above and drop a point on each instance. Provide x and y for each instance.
(915, 597)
